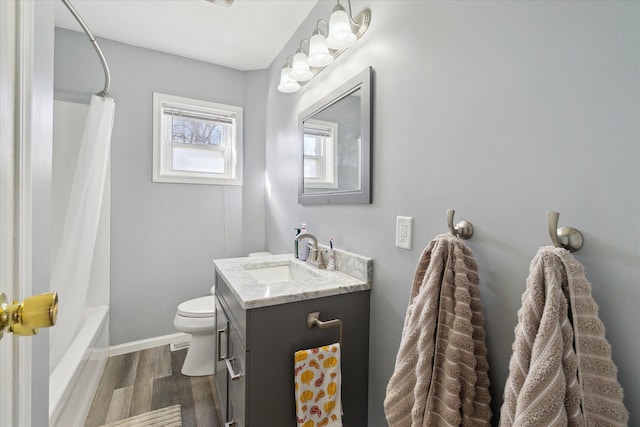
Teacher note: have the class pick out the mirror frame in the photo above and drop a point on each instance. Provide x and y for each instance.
(361, 81)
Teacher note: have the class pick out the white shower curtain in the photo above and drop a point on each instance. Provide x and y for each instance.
(71, 270)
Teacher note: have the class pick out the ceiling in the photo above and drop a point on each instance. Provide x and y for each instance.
(246, 36)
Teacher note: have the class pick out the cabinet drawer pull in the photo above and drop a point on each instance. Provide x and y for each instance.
(234, 376)
(219, 346)
(230, 423)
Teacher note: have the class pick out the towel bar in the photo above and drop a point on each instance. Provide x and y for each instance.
(313, 319)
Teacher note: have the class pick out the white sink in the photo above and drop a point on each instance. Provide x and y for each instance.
(284, 271)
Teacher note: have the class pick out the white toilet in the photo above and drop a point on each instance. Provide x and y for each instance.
(197, 317)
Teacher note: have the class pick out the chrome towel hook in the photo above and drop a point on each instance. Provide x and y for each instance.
(463, 229)
(566, 237)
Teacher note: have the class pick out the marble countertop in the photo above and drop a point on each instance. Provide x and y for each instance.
(252, 294)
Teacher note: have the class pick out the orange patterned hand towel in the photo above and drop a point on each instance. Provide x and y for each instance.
(317, 386)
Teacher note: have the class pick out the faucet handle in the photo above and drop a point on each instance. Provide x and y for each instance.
(313, 253)
(315, 258)
(321, 262)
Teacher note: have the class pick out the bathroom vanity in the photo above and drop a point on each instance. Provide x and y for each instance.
(262, 306)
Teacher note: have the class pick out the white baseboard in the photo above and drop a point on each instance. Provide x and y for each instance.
(130, 347)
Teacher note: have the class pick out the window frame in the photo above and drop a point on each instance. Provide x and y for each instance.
(162, 143)
(329, 157)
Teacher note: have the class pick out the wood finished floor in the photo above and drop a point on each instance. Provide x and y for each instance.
(147, 380)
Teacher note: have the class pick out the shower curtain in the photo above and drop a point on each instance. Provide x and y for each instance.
(71, 269)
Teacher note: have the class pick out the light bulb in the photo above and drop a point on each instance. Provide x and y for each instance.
(300, 70)
(319, 55)
(340, 34)
(287, 84)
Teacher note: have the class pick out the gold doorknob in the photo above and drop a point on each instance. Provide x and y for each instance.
(38, 311)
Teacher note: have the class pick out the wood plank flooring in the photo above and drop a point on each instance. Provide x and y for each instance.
(147, 380)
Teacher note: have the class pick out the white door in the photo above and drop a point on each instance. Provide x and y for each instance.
(7, 205)
(26, 99)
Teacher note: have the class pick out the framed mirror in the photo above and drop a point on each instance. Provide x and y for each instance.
(335, 145)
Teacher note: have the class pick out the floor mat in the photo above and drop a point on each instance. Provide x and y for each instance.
(171, 416)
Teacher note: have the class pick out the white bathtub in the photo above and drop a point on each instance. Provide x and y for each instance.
(75, 378)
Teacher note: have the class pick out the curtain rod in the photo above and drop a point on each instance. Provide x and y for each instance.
(107, 76)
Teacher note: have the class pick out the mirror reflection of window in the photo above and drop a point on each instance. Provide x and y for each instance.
(313, 160)
(319, 149)
(331, 159)
(335, 145)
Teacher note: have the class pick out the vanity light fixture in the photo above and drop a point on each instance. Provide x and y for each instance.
(300, 70)
(343, 31)
(287, 84)
(340, 34)
(223, 3)
(319, 55)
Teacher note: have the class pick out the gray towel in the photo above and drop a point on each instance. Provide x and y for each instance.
(440, 376)
(561, 372)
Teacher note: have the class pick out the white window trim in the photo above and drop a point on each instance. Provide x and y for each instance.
(163, 173)
(330, 155)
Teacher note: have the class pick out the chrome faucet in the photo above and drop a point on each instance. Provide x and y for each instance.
(315, 257)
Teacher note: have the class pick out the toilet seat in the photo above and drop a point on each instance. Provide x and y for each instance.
(198, 307)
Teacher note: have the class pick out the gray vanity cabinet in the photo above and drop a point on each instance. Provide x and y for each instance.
(254, 369)
(230, 375)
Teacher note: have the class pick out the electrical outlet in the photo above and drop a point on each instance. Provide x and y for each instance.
(403, 231)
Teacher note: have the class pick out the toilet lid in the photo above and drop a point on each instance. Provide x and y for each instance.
(198, 307)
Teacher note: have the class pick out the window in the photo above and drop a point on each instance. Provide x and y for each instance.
(196, 142)
(320, 140)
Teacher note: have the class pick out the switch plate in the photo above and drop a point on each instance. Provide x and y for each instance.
(403, 231)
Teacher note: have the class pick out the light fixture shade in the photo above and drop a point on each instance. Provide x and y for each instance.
(287, 84)
(300, 69)
(223, 3)
(319, 55)
(340, 34)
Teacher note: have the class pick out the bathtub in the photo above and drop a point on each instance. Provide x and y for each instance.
(75, 378)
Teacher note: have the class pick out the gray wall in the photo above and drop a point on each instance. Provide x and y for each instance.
(164, 236)
(502, 111)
